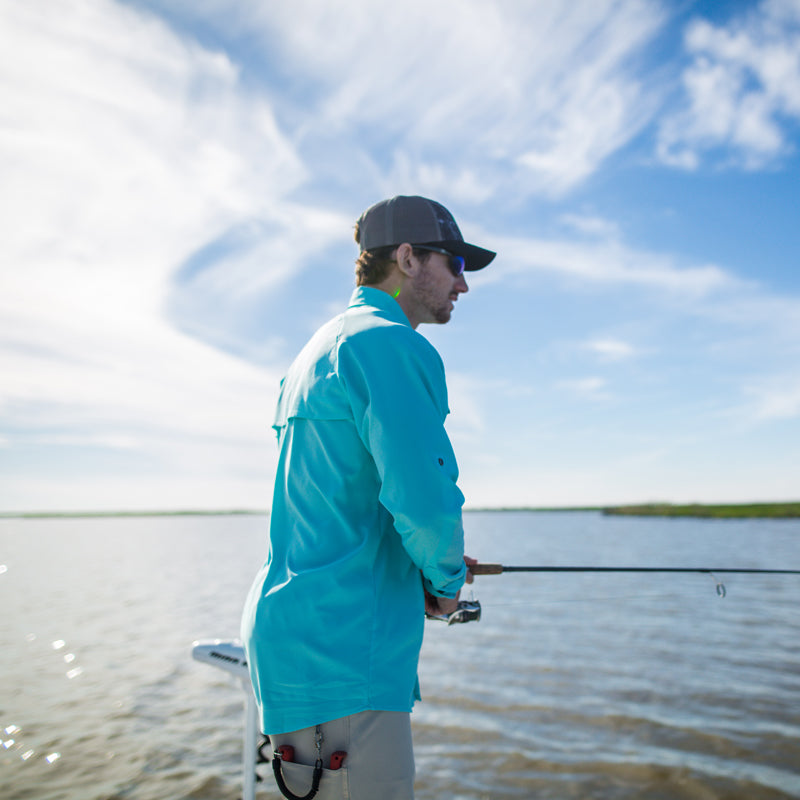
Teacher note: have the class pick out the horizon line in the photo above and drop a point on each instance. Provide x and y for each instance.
(266, 512)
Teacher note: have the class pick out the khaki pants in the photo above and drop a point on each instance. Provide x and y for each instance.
(379, 762)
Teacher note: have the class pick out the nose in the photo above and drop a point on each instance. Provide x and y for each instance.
(461, 284)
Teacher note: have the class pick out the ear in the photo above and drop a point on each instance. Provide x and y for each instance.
(406, 262)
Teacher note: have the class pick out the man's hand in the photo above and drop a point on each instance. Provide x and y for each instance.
(469, 562)
(438, 606)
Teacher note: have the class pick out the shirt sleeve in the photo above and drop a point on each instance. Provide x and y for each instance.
(396, 384)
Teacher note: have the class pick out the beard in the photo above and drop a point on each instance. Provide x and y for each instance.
(433, 298)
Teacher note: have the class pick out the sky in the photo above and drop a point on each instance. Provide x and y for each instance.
(180, 180)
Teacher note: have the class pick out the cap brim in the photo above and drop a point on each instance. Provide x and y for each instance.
(475, 257)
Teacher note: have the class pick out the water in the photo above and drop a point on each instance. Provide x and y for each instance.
(571, 686)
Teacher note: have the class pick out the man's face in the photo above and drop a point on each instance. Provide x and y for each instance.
(437, 289)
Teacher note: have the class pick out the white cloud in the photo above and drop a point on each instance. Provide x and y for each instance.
(606, 261)
(532, 97)
(274, 253)
(611, 349)
(466, 421)
(742, 85)
(121, 148)
(121, 145)
(777, 399)
(590, 225)
(592, 387)
(124, 149)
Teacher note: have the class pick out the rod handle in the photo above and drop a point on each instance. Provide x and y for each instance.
(486, 569)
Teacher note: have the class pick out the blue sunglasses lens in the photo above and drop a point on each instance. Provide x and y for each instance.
(456, 264)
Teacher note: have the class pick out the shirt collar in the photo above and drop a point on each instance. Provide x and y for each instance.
(383, 301)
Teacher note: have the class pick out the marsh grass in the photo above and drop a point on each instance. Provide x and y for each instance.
(733, 511)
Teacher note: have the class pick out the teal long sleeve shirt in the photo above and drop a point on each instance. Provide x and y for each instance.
(365, 512)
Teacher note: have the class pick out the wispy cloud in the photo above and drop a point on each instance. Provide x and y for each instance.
(448, 78)
(777, 398)
(609, 261)
(467, 419)
(742, 87)
(611, 349)
(592, 387)
(591, 225)
(123, 149)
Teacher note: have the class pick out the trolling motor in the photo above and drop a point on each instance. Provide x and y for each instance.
(230, 656)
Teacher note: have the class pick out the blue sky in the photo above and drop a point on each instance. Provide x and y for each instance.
(180, 182)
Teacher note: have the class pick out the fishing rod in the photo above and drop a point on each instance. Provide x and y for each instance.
(470, 610)
(497, 569)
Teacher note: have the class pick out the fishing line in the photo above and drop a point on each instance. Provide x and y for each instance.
(580, 600)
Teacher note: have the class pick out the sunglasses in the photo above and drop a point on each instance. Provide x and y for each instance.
(454, 262)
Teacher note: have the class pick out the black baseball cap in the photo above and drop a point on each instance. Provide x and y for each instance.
(418, 221)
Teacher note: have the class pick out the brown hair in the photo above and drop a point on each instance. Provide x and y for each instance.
(373, 266)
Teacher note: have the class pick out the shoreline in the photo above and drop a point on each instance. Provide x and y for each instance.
(785, 510)
(772, 510)
(99, 514)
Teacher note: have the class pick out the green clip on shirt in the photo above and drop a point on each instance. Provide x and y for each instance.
(365, 498)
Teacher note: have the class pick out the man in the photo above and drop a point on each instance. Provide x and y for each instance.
(365, 530)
